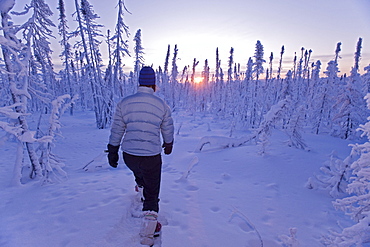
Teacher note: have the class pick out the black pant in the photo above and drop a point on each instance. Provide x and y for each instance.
(147, 172)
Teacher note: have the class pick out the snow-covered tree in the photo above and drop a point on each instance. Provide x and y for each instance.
(271, 120)
(230, 66)
(323, 98)
(249, 71)
(306, 70)
(230, 93)
(286, 89)
(294, 70)
(256, 113)
(337, 51)
(172, 89)
(17, 57)
(332, 71)
(291, 239)
(36, 34)
(357, 203)
(51, 164)
(166, 62)
(218, 66)
(66, 54)
(294, 127)
(352, 110)
(139, 52)
(269, 71)
(89, 31)
(298, 74)
(108, 76)
(366, 79)
(164, 77)
(316, 71)
(356, 66)
(193, 96)
(205, 93)
(334, 175)
(258, 63)
(120, 44)
(206, 72)
(313, 85)
(218, 85)
(280, 62)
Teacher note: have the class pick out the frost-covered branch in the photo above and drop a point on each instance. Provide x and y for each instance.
(193, 163)
(9, 111)
(49, 161)
(271, 120)
(334, 176)
(237, 212)
(354, 235)
(226, 142)
(221, 142)
(291, 239)
(293, 130)
(59, 106)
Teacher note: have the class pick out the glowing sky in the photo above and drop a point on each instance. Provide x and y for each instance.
(198, 27)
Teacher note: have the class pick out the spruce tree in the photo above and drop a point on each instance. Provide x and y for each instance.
(66, 53)
(120, 44)
(139, 52)
(173, 79)
(280, 62)
(258, 63)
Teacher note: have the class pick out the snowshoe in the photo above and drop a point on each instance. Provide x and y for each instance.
(150, 228)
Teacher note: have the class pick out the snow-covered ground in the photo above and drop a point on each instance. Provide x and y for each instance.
(216, 197)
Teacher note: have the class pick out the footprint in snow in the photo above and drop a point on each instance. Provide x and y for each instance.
(192, 188)
(215, 209)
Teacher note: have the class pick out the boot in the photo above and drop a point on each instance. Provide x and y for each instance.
(148, 228)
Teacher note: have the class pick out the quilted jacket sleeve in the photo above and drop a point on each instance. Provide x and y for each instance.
(118, 127)
(167, 128)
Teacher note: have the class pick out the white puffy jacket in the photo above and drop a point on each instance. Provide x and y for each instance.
(139, 119)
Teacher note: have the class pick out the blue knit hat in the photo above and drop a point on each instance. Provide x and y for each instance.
(147, 76)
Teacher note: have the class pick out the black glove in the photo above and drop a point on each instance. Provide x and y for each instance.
(167, 147)
(113, 155)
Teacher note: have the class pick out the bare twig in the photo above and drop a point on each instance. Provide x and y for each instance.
(237, 212)
(97, 158)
